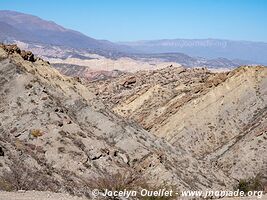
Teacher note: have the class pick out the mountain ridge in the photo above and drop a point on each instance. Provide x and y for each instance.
(46, 36)
(208, 114)
(209, 48)
(48, 32)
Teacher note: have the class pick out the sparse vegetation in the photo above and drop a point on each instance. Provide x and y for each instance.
(130, 181)
(21, 177)
(252, 184)
(36, 133)
(185, 130)
(118, 181)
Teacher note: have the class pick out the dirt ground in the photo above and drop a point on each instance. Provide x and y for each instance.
(34, 195)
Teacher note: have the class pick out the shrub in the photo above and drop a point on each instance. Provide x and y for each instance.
(21, 177)
(118, 181)
(36, 133)
(130, 181)
(5, 185)
(243, 185)
(252, 184)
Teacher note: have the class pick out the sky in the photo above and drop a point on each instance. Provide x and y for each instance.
(130, 20)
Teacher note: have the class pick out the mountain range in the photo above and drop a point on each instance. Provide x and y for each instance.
(207, 48)
(43, 37)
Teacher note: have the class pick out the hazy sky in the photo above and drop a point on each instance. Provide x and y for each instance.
(127, 20)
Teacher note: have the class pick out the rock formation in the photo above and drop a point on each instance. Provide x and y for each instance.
(185, 128)
(218, 118)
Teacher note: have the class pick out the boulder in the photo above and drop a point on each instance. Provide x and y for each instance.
(129, 81)
(27, 55)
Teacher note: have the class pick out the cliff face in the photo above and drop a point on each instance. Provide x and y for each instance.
(219, 118)
(55, 134)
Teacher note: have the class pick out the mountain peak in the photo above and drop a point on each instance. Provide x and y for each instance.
(27, 21)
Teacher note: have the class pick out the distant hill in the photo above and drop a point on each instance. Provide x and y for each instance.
(208, 48)
(29, 28)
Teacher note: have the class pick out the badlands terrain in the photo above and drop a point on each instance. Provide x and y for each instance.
(188, 129)
(218, 118)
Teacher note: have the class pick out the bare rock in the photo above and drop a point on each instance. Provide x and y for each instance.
(27, 55)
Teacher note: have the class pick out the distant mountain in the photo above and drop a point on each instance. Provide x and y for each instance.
(32, 29)
(189, 61)
(7, 31)
(50, 40)
(208, 48)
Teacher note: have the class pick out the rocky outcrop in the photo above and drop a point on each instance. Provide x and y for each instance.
(26, 55)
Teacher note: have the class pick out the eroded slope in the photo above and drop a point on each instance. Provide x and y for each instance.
(56, 135)
(216, 117)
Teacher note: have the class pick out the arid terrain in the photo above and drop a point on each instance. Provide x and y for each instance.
(33, 195)
(212, 116)
(190, 129)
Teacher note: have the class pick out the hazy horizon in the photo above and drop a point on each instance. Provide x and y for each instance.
(119, 21)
